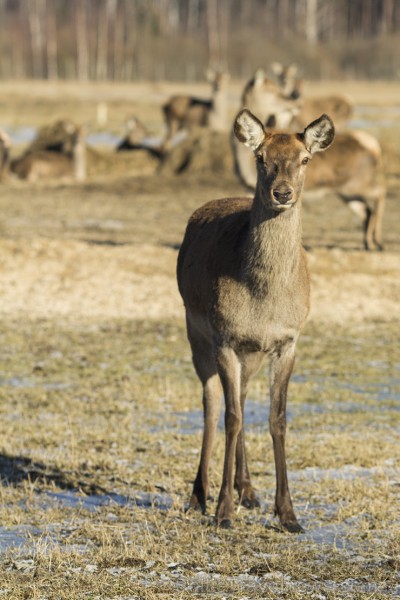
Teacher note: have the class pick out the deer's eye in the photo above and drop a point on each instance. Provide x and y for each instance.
(305, 160)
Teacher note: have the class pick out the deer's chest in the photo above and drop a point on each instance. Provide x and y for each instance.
(257, 321)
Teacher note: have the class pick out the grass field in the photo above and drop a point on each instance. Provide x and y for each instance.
(100, 408)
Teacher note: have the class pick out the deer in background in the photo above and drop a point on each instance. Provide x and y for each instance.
(137, 137)
(5, 150)
(184, 112)
(70, 162)
(338, 106)
(243, 277)
(351, 168)
(260, 92)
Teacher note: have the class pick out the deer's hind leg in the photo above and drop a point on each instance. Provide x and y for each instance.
(206, 369)
(370, 213)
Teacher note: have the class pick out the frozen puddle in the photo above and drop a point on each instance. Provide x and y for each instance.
(16, 537)
(71, 499)
(316, 519)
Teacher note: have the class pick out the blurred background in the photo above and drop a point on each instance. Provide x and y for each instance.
(126, 40)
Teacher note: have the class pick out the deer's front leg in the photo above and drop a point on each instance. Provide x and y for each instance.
(280, 371)
(229, 372)
(247, 495)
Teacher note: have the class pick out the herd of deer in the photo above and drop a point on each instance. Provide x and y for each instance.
(351, 168)
(242, 269)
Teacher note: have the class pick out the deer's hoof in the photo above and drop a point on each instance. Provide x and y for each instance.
(250, 502)
(226, 524)
(292, 527)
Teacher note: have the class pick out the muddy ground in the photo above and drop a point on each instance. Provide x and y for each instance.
(101, 419)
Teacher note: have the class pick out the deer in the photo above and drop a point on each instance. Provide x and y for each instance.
(339, 106)
(243, 277)
(260, 92)
(5, 150)
(137, 137)
(51, 164)
(351, 168)
(185, 112)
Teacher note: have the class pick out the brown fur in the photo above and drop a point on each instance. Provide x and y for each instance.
(243, 276)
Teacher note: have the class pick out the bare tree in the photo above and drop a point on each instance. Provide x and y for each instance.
(81, 41)
(311, 22)
(126, 39)
(51, 46)
(36, 10)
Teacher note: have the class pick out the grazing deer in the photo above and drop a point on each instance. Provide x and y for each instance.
(50, 164)
(243, 277)
(184, 112)
(338, 106)
(5, 149)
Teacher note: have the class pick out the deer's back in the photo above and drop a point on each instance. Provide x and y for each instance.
(187, 110)
(349, 165)
(43, 164)
(338, 107)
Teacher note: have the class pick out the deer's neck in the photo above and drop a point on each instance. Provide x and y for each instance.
(273, 247)
(217, 117)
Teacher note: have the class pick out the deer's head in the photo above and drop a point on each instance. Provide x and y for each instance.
(282, 158)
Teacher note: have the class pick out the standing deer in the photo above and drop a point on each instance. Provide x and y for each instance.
(184, 112)
(49, 164)
(339, 106)
(243, 277)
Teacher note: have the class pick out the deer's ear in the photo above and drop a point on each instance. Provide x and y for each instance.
(249, 130)
(319, 135)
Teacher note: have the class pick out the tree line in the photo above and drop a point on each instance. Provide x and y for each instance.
(176, 39)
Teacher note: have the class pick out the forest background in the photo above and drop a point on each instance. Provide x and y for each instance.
(175, 40)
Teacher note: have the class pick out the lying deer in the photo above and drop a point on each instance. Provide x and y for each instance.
(243, 277)
(338, 106)
(49, 164)
(184, 112)
(137, 137)
(5, 149)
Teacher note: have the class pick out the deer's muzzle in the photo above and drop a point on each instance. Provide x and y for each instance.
(282, 197)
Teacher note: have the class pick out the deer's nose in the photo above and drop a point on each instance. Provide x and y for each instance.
(283, 195)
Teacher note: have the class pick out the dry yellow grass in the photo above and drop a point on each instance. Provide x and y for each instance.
(100, 408)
